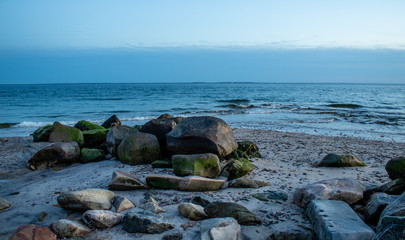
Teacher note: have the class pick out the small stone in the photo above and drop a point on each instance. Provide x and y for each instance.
(271, 195)
(121, 204)
(4, 204)
(246, 149)
(125, 181)
(229, 209)
(87, 199)
(221, 229)
(41, 216)
(247, 183)
(33, 232)
(145, 222)
(173, 236)
(334, 160)
(102, 218)
(67, 229)
(192, 211)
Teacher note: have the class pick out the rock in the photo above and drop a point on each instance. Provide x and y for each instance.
(345, 189)
(122, 203)
(55, 154)
(87, 199)
(202, 200)
(33, 232)
(86, 125)
(191, 183)
(396, 168)
(204, 165)
(247, 183)
(112, 121)
(376, 205)
(4, 204)
(335, 220)
(271, 195)
(62, 133)
(91, 155)
(229, 209)
(101, 218)
(151, 204)
(221, 229)
(162, 164)
(64, 228)
(246, 149)
(192, 211)
(145, 222)
(391, 232)
(237, 168)
(138, 148)
(164, 116)
(395, 187)
(42, 134)
(114, 138)
(173, 236)
(125, 181)
(201, 135)
(394, 209)
(293, 234)
(94, 138)
(334, 160)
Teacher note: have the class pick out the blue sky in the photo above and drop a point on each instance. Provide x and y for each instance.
(53, 41)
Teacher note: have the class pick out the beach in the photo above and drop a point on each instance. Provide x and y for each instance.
(288, 162)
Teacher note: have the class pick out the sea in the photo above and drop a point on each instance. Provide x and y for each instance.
(366, 111)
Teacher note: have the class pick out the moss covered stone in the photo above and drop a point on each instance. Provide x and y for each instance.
(94, 138)
(138, 148)
(237, 168)
(62, 133)
(86, 125)
(396, 168)
(204, 165)
(334, 160)
(91, 155)
(42, 134)
(246, 149)
(191, 183)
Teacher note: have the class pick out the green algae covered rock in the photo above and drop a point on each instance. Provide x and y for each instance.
(62, 133)
(204, 165)
(91, 155)
(86, 125)
(42, 134)
(94, 138)
(189, 183)
(334, 160)
(396, 168)
(237, 168)
(138, 148)
(234, 210)
(246, 149)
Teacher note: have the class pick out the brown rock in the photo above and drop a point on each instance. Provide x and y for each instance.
(33, 232)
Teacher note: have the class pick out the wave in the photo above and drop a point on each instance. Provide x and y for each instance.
(239, 106)
(344, 105)
(103, 99)
(234, 101)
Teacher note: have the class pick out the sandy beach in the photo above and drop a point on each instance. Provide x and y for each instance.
(288, 162)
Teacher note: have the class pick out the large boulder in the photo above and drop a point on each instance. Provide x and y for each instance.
(33, 232)
(345, 189)
(55, 154)
(112, 121)
(62, 133)
(125, 181)
(101, 218)
(396, 168)
(94, 138)
(191, 183)
(145, 222)
(115, 136)
(237, 168)
(84, 125)
(234, 210)
(42, 134)
(378, 202)
(201, 135)
(192, 211)
(394, 213)
(87, 199)
(138, 148)
(204, 165)
(65, 228)
(334, 160)
(91, 155)
(221, 229)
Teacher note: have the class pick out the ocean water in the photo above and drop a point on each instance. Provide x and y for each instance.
(368, 111)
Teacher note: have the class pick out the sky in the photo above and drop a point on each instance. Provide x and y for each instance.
(40, 37)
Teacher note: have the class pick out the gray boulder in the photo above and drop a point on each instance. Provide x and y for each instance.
(101, 218)
(201, 135)
(138, 148)
(234, 210)
(221, 229)
(68, 229)
(192, 211)
(145, 222)
(87, 199)
(125, 181)
(392, 217)
(55, 154)
(204, 165)
(114, 138)
(345, 189)
(378, 202)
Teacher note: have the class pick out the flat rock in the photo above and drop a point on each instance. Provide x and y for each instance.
(396, 168)
(345, 189)
(33, 232)
(145, 222)
(201, 135)
(192, 211)
(221, 229)
(101, 218)
(376, 205)
(271, 195)
(204, 165)
(125, 181)
(64, 228)
(247, 183)
(55, 154)
(4, 204)
(114, 138)
(138, 148)
(62, 133)
(334, 160)
(335, 220)
(234, 210)
(190, 183)
(87, 199)
(122, 203)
